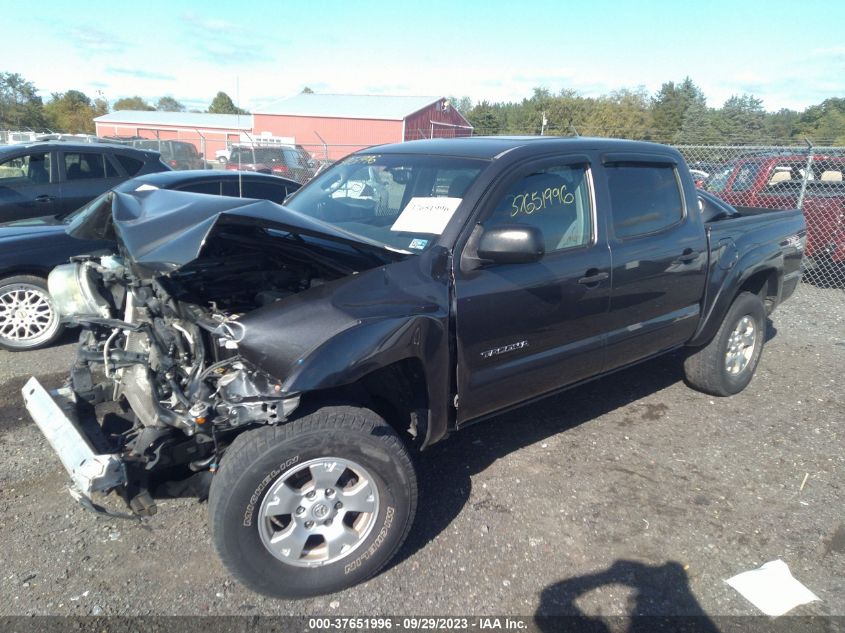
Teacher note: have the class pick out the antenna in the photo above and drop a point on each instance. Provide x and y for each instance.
(238, 112)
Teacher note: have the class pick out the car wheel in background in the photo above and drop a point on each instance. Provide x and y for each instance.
(28, 317)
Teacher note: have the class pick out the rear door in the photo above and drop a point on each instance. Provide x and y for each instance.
(527, 329)
(659, 252)
(85, 174)
(29, 186)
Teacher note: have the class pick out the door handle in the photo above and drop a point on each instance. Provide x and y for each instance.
(688, 256)
(44, 198)
(593, 278)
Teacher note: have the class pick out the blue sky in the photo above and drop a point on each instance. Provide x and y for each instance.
(789, 53)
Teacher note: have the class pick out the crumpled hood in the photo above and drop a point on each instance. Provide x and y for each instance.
(162, 231)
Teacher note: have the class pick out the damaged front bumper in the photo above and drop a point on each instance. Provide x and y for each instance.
(55, 414)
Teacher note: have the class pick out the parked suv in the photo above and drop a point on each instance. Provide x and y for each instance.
(288, 161)
(176, 154)
(45, 178)
(29, 249)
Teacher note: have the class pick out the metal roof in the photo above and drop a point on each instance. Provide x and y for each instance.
(185, 119)
(349, 106)
(491, 147)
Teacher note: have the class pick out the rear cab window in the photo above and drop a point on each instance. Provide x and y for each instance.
(645, 198)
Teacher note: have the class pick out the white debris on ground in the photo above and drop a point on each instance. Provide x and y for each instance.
(772, 588)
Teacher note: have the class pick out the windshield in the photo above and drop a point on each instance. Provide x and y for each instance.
(401, 201)
(719, 180)
(257, 155)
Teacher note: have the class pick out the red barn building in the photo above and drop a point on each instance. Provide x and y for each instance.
(208, 132)
(340, 124)
(328, 126)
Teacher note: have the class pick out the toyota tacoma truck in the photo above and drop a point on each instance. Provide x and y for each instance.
(291, 362)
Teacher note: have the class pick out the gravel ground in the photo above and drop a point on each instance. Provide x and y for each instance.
(633, 494)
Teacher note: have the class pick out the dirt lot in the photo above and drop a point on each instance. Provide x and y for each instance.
(633, 494)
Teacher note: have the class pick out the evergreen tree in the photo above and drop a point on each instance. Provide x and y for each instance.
(223, 104)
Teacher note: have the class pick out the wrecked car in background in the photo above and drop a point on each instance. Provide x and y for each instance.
(289, 360)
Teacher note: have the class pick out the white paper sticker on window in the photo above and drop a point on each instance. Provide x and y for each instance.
(426, 215)
(146, 187)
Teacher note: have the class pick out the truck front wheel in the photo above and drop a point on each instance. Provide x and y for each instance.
(726, 365)
(315, 505)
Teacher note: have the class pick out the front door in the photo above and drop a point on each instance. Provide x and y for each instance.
(28, 186)
(528, 329)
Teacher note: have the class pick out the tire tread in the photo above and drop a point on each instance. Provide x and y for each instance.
(251, 445)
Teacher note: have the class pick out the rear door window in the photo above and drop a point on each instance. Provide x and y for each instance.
(84, 165)
(644, 197)
(130, 165)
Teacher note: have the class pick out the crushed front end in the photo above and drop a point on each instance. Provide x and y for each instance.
(158, 389)
(168, 373)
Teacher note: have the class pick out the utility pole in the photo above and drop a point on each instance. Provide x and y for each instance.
(544, 124)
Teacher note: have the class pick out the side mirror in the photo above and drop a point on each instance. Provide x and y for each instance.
(512, 244)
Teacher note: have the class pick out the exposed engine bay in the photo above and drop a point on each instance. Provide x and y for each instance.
(162, 350)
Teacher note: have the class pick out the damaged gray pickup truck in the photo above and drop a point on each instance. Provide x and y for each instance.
(288, 361)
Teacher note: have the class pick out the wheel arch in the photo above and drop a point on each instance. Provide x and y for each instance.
(763, 278)
(400, 365)
(18, 271)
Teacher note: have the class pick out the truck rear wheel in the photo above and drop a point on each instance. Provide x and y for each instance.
(315, 505)
(726, 365)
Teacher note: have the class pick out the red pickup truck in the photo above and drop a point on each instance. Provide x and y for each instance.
(774, 182)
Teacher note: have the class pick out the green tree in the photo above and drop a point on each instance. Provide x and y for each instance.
(484, 119)
(782, 126)
(824, 123)
(101, 106)
(697, 127)
(20, 105)
(741, 120)
(222, 104)
(462, 104)
(169, 104)
(132, 103)
(669, 107)
(71, 112)
(621, 114)
(307, 91)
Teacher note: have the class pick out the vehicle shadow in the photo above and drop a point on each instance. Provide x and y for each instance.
(444, 471)
(661, 601)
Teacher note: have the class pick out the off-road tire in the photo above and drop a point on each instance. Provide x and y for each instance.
(52, 331)
(706, 368)
(258, 458)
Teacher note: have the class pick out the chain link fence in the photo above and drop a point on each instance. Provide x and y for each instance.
(775, 176)
(784, 177)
